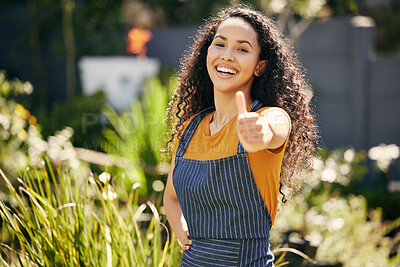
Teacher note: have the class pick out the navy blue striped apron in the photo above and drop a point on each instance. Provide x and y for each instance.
(227, 218)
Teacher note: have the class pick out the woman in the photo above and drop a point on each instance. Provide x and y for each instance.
(243, 129)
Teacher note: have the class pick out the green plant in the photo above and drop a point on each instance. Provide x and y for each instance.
(137, 135)
(328, 215)
(53, 219)
(21, 142)
(81, 113)
(14, 123)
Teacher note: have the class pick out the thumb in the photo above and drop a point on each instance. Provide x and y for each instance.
(240, 102)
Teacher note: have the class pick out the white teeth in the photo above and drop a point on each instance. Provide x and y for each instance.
(223, 69)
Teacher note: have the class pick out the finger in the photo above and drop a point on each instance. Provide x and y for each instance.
(250, 133)
(249, 127)
(185, 247)
(187, 241)
(240, 103)
(254, 139)
(248, 117)
(187, 233)
(247, 134)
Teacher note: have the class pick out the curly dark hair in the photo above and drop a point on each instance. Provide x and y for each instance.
(281, 85)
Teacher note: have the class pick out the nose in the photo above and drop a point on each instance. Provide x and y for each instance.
(227, 55)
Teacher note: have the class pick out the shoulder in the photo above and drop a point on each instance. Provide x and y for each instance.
(276, 114)
(177, 138)
(272, 110)
(185, 125)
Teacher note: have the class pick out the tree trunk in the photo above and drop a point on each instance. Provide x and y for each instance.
(67, 7)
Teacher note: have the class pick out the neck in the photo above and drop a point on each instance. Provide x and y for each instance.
(225, 105)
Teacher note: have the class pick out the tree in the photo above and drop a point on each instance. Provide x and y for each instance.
(294, 16)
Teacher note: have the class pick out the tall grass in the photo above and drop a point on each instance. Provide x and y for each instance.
(53, 219)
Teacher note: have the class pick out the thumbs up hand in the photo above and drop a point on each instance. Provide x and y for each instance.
(253, 130)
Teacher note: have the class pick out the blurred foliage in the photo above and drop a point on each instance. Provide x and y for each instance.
(82, 114)
(192, 12)
(309, 9)
(14, 123)
(59, 195)
(37, 29)
(21, 142)
(343, 7)
(97, 24)
(99, 27)
(137, 135)
(387, 19)
(176, 12)
(13, 88)
(54, 218)
(332, 220)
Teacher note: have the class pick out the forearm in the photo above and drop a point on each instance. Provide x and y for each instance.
(175, 217)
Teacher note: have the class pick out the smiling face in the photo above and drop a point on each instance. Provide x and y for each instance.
(233, 56)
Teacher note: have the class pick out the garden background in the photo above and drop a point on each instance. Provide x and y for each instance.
(82, 104)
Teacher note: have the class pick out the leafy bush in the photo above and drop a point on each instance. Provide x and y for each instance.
(21, 142)
(338, 224)
(81, 114)
(14, 123)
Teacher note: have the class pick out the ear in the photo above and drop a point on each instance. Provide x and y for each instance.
(260, 68)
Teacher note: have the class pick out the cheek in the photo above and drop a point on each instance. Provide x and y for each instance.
(210, 54)
(250, 65)
(209, 59)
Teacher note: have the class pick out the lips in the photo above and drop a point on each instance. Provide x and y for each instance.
(226, 71)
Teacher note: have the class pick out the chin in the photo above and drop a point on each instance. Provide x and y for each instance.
(224, 88)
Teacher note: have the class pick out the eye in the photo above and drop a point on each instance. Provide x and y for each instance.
(219, 45)
(244, 50)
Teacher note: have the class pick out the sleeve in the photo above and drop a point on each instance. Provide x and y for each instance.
(175, 145)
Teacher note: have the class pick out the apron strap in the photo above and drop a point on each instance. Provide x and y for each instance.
(189, 131)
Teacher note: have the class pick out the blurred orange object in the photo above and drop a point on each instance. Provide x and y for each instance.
(137, 39)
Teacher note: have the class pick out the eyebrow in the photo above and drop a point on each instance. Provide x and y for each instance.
(239, 41)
